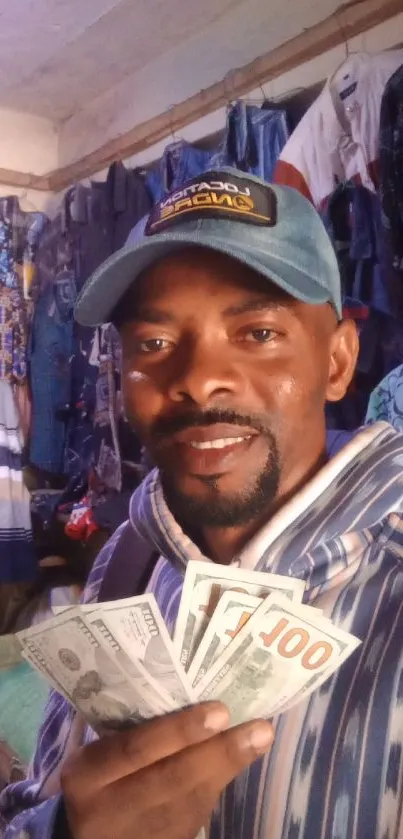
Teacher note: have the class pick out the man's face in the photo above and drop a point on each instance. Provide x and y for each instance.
(225, 379)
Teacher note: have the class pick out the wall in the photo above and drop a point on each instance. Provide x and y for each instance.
(28, 144)
(385, 36)
(34, 144)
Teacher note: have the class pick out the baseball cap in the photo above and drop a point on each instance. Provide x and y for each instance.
(272, 229)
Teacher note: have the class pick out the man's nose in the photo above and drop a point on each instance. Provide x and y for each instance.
(205, 374)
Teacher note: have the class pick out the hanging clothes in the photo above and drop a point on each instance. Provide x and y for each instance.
(386, 400)
(127, 199)
(352, 217)
(13, 336)
(353, 220)
(391, 187)
(391, 162)
(253, 140)
(338, 139)
(179, 163)
(19, 235)
(51, 341)
(17, 556)
(67, 360)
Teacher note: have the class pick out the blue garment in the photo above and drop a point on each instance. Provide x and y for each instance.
(335, 766)
(391, 163)
(386, 400)
(51, 344)
(254, 139)
(352, 217)
(70, 368)
(180, 162)
(19, 236)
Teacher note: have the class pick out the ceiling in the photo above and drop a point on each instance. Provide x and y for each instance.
(57, 56)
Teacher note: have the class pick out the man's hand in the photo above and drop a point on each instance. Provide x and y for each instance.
(161, 779)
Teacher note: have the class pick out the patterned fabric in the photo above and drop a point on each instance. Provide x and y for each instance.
(371, 295)
(13, 336)
(19, 235)
(92, 436)
(386, 401)
(75, 371)
(336, 768)
(17, 557)
(50, 349)
(391, 162)
(352, 216)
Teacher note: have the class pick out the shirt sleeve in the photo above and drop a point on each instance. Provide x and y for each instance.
(29, 808)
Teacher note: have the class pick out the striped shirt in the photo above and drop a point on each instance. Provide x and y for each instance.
(336, 768)
(17, 556)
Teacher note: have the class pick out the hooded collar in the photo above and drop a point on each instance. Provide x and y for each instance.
(320, 533)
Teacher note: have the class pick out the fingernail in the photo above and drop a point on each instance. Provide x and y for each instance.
(261, 737)
(216, 718)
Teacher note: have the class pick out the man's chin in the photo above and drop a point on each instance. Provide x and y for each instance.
(198, 502)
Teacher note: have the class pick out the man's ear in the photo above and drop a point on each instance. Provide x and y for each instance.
(343, 359)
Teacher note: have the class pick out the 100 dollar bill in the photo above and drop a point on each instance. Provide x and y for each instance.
(204, 584)
(68, 651)
(140, 628)
(278, 647)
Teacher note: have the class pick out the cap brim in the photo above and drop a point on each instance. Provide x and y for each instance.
(107, 286)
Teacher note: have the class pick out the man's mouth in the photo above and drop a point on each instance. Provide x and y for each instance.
(210, 449)
(214, 436)
(222, 443)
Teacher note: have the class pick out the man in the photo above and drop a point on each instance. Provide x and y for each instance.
(229, 310)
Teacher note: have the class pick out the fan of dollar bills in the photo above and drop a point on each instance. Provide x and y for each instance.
(241, 637)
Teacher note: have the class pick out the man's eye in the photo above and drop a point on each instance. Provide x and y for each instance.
(260, 336)
(153, 345)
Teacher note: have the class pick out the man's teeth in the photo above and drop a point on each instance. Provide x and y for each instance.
(218, 444)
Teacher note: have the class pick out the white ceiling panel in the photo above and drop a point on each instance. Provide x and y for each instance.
(56, 56)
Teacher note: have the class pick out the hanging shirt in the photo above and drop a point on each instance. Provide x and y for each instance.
(335, 769)
(338, 139)
(19, 235)
(253, 139)
(386, 400)
(17, 557)
(13, 336)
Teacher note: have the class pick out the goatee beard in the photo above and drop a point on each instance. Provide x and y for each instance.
(219, 509)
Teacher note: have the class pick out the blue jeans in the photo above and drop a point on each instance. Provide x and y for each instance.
(179, 163)
(254, 139)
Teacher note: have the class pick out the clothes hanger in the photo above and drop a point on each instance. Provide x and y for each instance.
(348, 51)
(229, 91)
(175, 137)
(26, 204)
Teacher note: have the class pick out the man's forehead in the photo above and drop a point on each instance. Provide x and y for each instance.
(182, 272)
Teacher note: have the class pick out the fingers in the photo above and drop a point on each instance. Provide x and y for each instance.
(201, 770)
(107, 760)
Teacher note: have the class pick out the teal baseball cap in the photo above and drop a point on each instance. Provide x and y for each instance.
(272, 229)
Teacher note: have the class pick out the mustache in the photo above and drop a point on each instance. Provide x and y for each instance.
(166, 426)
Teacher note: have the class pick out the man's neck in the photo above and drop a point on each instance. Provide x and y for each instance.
(223, 544)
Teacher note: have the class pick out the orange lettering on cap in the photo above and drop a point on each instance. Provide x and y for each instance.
(182, 205)
(202, 199)
(166, 211)
(219, 200)
(243, 203)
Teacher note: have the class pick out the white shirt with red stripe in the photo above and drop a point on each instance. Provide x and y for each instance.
(338, 138)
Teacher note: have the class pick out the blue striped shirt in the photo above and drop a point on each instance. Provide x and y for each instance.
(336, 768)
